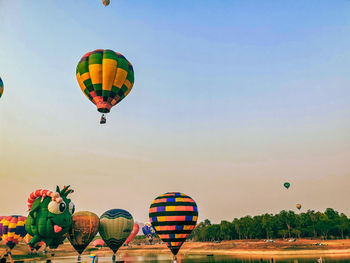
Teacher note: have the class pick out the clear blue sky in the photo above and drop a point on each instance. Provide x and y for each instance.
(231, 98)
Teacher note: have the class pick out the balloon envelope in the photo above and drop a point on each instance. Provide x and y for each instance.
(149, 231)
(286, 185)
(115, 227)
(133, 234)
(174, 216)
(98, 243)
(106, 2)
(1, 218)
(298, 206)
(84, 228)
(105, 77)
(1, 87)
(13, 230)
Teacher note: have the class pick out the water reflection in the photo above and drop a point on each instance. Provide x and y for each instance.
(165, 258)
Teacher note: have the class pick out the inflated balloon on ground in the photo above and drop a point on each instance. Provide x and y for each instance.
(84, 228)
(173, 215)
(50, 216)
(149, 231)
(13, 230)
(133, 234)
(115, 227)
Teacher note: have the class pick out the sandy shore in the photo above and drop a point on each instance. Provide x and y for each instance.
(241, 248)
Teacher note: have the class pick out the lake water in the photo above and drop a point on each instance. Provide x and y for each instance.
(165, 258)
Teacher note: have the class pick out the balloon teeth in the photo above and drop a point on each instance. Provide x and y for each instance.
(57, 228)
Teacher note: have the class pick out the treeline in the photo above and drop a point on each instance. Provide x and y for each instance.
(286, 224)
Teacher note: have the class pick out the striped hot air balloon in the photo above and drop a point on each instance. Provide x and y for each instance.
(105, 77)
(1, 87)
(13, 230)
(115, 227)
(174, 216)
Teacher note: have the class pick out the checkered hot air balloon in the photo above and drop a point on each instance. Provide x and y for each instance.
(105, 77)
(1, 87)
(174, 216)
(13, 230)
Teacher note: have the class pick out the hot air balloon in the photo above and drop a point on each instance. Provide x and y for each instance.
(149, 231)
(115, 227)
(13, 230)
(106, 2)
(50, 216)
(1, 218)
(286, 185)
(106, 78)
(298, 206)
(1, 87)
(98, 243)
(174, 216)
(133, 234)
(84, 228)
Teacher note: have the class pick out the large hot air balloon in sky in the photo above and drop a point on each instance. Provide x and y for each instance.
(105, 77)
(84, 228)
(286, 185)
(106, 2)
(149, 231)
(115, 227)
(1, 87)
(13, 230)
(174, 216)
(133, 234)
(50, 216)
(298, 206)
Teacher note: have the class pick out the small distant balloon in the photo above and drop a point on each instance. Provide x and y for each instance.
(1, 87)
(174, 216)
(298, 206)
(286, 185)
(149, 231)
(106, 2)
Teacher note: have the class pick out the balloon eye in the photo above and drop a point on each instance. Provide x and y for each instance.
(62, 207)
(56, 208)
(71, 208)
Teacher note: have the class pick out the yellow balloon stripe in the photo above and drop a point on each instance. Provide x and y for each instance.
(109, 67)
(120, 77)
(96, 73)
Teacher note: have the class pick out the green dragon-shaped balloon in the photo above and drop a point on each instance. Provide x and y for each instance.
(50, 216)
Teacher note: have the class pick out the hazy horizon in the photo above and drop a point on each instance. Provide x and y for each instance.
(230, 100)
